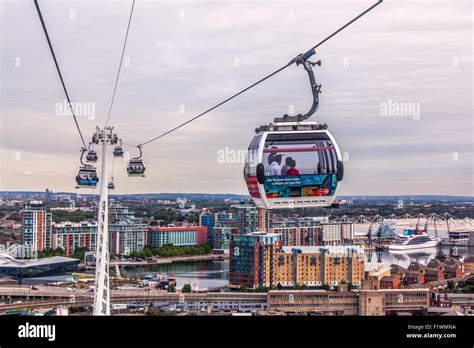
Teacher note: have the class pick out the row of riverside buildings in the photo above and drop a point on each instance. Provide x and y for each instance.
(262, 259)
(312, 231)
(294, 251)
(126, 232)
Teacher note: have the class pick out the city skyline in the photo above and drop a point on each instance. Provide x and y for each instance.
(384, 62)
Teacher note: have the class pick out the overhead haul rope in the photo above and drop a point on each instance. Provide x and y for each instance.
(306, 55)
(120, 64)
(59, 72)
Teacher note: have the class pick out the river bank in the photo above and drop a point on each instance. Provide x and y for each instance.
(168, 260)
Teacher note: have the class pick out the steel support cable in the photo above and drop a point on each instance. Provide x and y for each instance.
(307, 54)
(59, 71)
(120, 64)
(113, 162)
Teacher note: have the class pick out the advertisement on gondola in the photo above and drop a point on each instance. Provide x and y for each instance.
(300, 185)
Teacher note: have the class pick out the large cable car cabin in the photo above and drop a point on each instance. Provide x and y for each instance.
(87, 177)
(294, 163)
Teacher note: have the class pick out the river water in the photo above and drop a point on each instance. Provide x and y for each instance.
(200, 274)
(214, 274)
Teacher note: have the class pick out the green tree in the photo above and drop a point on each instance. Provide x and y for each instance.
(171, 288)
(301, 286)
(148, 252)
(15, 217)
(73, 216)
(78, 253)
(243, 288)
(186, 288)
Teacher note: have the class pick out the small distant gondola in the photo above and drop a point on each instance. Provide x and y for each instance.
(91, 156)
(136, 166)
(118, 151)
(111, 185)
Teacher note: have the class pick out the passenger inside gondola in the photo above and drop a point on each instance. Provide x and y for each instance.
(286, 166)
(274, 162)
(318, 158)
(320, 168)
(292, 168)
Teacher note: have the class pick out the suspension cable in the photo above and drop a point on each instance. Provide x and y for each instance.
(307, 54)
(112, 171)
(59, 71)
(120, 64)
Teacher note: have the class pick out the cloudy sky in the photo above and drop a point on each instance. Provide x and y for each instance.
(184, 56)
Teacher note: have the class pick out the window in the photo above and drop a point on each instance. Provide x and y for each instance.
(312, 153)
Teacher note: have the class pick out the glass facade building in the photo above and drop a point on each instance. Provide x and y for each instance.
(126, 232)
(247, 218)
(179, 236)
(36, 233)
(222, 236)
(221, 219)
(50, 266)
(251, 259)
(313, 231)
(70, 236)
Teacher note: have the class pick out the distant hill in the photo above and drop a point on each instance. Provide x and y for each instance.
(406, 198)
(173, 196)
(164, 196)
(222, 196)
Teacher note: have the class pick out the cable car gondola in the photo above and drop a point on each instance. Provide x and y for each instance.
(91, 156)
(135, 166)
(87, 174)
(118, 151)
(111, 185)
(87, 177)
(293, 163)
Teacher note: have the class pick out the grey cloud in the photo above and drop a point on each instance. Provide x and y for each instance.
(190, 62)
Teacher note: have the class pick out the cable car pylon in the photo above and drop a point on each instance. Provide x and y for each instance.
(101, 306)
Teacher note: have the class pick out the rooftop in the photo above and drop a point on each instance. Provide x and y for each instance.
(469, 258)
(416, 265)
(397, 268)
(264, 234)
(373, 266)
(389, 278)
(74, 224)
(9, 261)
(380, 271)
(331, 249)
